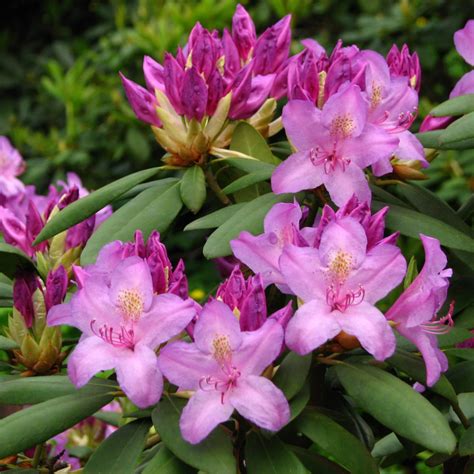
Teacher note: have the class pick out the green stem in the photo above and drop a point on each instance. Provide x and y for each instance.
(214, 185)
(462, 417)
(37, 455)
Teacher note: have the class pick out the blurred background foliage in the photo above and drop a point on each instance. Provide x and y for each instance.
(61, 101)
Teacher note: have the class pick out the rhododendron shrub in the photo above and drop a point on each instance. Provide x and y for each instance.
(339, 336)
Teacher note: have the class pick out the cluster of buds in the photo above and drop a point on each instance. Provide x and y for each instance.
(194, 99)
(39, 345)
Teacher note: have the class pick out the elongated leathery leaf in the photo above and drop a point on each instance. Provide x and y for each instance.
(83, 208)
(193, 188)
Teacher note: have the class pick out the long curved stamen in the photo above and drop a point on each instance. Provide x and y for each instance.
(342, 302)
(118, 338)
(329, 161)
(402, 123)
(441, 325)
(210, 383)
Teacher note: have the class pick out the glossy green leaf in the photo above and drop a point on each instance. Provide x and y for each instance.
(412, 223)
(246, 139)
(454, 336)
(118, 454)
(165, 462)
(466, 443)
(465, 319)
(7, 344)
(462, 376)
(41, 422)
(6, 290)
(216, 218)
(247, 180)
(249, 217)
(13, 260)
(387, 445)
(193, 188)
(83, 208)
(457, 106)
(430, 139)
(299, 401)
(155, 208)
(316, 463)
(343, 446)
(429, 203)
(213, 455)
(466, 354)
(414, 367)
(249, 164)
(31, 390)
(460, 130)
(292, 373)
(396, 405)
(467, 209)
(270, 456)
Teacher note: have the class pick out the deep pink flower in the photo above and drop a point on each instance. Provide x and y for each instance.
(224, 367)
(11, 166)
(334, 145)
(402, 63)
(123, 322)
(416, 311)
(339, 284)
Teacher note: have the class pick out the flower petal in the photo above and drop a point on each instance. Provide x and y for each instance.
(139, 376)
(204, 411)
(369, 325)
(299, 116)
(184, 365)
(90, 356)
(464, 42)
(312, 325)
(261, 402)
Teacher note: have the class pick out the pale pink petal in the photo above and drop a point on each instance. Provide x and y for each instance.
(167, 317)
(139, 376)
(342, 184)
(261, 402)
(90, 356)
(464, 42)
(464, 86)
(296, 173)
(299, 118)
(184, 365)
(383, 269)
(370, 327)
(259, 348)
(204, 411)
(410, 148)
(303, 273)
(216, 319)
(311, 326)
(282, 216)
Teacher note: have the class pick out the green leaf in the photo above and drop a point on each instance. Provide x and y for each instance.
(460, 130)
(119, 453)
(465, 319)
(165, 462)
(270, 456)
(13, 260)
(343, 446)
(193, 188)
(215, 219)
(466, 354)
(316, 463)
(412, 223)
(429, 203)
(31, 390)
(6, 290)
(387, 445)
(153, 209)
(83, 208)
(299, 401)
(213, 455)
(41, 422)
(467, 209)
(291, 375)
(249, 164)
(466, 443)
(462, 376)
(414, 367)
(7, 344)
(247, 180)
(457, 106)
(246, 139)
(430, 139)
(249, 217)
(411, 274)
(397, 406)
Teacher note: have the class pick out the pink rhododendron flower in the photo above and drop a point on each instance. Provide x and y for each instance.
(333, 145)
(404, 64)
(464, 42)
(224, 367)
(123, 322)
(261, 253)
(11, 166)
(339, 284)
(416, 311)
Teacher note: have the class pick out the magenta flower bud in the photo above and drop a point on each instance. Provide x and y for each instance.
(23, 288)
(142, 102)
(174, 76)
(216, 89)
(78, 235)
(178, 283)
(204, 53)
(402, 63)
(431, 123)
(225, 265)
(283, 315)
(34, 222)
(194, 94)
(11, 165)
(231, 53)
(154, 74)
(273, 47)
(56, 287)
(243, 31)
(241, 88)
(253, 308)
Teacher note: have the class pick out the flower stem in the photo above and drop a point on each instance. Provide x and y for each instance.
(462, 417)
(214, 185)
(37, 455)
